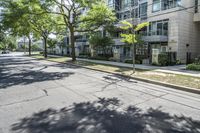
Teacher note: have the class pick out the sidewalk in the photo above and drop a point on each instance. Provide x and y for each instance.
(178, 69)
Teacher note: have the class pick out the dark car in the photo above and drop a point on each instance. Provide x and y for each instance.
(5, 52)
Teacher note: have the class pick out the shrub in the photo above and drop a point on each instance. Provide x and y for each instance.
(112, 59)
(154, 64)
(129, 61)
(193, 66)
(163, 59)
(84, 55)
(99, 58)
(178, 62)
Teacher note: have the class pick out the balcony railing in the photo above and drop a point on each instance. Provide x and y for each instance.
(153, 36)
(154, 33)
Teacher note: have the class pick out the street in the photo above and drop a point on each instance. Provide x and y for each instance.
(38, 96)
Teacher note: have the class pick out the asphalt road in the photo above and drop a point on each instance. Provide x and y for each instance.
(46, 97)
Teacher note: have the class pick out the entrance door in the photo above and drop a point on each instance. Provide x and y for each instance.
(188, 57)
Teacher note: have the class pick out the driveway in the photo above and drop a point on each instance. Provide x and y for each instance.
(44, 97)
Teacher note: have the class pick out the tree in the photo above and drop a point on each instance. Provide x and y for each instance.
(24, 17)
(52, 43)
(102, 43)
(15, 21)
(79, 16)
(130, 36)
(8, 42)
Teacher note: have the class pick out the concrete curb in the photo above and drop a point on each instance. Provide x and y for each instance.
(182, 88)
(177, 87)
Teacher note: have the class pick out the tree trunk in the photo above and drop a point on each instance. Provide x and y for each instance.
(72, 37)
(29, 45)
(45, 46)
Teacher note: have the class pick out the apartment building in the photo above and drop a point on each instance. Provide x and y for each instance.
(174, 27)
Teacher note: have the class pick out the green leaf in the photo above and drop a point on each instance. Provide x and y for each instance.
(126, 25)
(142, 25)
(128, 38)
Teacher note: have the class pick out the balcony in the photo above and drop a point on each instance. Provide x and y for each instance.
(155, 36)
(196, 17)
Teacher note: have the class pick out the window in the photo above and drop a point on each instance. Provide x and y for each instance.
(110, 3)
(136, 13)
(126, 15)
(165, 28)
(196, 6)
(125, 4)
(163, 49)
(143, 10)
(156, 5)
(153, 28)
(168, 4)
(134, 2)
(159, 28)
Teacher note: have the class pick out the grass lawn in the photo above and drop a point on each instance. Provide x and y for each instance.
(182, 80)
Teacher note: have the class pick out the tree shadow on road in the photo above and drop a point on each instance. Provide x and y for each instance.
(17, 71)
(105, 116)
(25, 77)
(16, 61)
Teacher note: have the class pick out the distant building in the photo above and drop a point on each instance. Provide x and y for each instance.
(21, 43)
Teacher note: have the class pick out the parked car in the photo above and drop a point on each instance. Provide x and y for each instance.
(5, 52)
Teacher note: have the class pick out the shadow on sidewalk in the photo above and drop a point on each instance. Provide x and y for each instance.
(104, 116)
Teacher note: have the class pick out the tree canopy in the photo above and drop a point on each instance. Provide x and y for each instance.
(130, 36)
(42, 17)
(79, 16)
(28, 18)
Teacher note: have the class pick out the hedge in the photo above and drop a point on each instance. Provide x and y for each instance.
(195, 67)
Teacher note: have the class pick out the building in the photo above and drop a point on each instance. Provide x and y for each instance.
(174, 27)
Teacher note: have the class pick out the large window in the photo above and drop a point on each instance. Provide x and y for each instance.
(158, 28)
(156, 5)
(164, 4)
